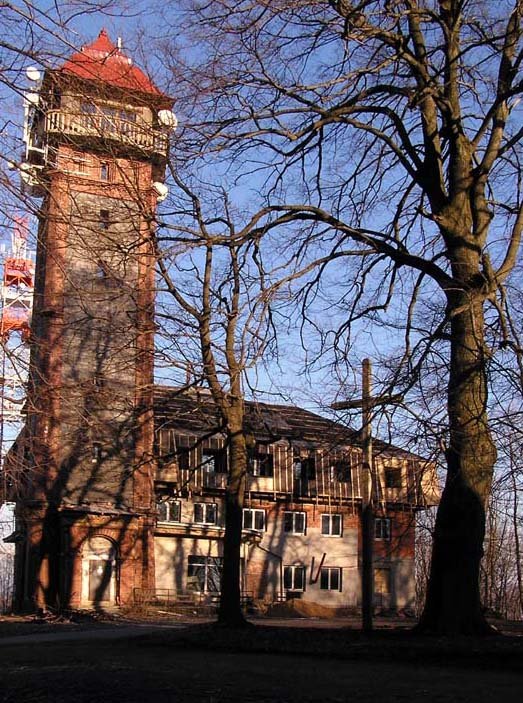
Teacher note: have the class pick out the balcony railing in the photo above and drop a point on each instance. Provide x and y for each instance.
(101, 126)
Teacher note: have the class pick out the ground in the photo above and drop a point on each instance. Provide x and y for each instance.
(166, 659)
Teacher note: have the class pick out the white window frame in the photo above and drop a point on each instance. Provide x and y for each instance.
(293, 569)
(293, 530)
(330, 517)
(329, 570)
(172, 506)
(382, 528)
(253, 512)
(208, 519)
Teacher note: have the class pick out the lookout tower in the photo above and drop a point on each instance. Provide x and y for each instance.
(97, 133)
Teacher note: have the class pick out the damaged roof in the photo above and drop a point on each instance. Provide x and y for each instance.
(194, 412)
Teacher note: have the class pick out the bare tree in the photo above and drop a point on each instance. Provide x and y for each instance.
(391, 125)
(218, 287)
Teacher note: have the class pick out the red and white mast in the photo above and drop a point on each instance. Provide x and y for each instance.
(16, 300)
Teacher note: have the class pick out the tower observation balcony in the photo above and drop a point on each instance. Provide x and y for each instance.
(110, 125)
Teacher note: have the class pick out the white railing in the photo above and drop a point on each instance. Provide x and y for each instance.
(106, 127)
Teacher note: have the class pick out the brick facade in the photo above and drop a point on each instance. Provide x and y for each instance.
(87, 503)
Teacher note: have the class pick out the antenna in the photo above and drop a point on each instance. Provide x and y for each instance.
(33, 74)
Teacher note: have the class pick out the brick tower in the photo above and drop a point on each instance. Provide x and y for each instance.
(97, 140)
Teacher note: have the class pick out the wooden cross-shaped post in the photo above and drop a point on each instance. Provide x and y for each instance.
(367, 403)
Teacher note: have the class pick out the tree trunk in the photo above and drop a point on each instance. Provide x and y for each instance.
(453, 600)
(515, 526)
(230, 612)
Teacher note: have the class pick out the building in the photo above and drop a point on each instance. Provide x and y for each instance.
(120, 486)
(302, 515)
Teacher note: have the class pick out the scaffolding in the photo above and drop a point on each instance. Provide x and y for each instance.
(16, 300)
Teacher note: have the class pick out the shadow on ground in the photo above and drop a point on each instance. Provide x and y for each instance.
(207, 664)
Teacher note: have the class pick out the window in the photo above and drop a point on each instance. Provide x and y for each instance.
(382, 528)
(106, 171)
(79, 163)
(96, 452)
(261, 463)
(204, 574)
(330, 578)
(305, 469)
(182, 458)
(392, 477)
(102, 272)
(294, 522)
(215, 460)
(253, 519)
(294, 578)
(169, 511)
(331, 524)
(342, 471)
(104, 221)
(205, 513)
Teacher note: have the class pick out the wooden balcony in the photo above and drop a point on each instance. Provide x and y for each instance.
(100, 126)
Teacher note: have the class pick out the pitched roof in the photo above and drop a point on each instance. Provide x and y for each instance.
(194, 412)
(103, 61)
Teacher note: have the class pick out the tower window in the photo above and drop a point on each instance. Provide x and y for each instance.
(105, 275)
(96, 452)
(104, 221)
(105, 171)
(79, 163)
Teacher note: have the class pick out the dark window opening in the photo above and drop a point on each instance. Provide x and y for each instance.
(105, 220)
(96, 452)
(215, 460)
(305, 469)
(342, 471)
(392, 477)
(182, 457)
(261, 463)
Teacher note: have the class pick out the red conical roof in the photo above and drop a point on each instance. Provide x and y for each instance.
(103, 61)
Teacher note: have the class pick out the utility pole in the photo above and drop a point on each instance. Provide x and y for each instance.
(367, 403)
